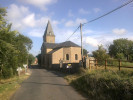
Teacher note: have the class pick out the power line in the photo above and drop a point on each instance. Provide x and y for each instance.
(73, 33)
(102, 16)
(109, 12)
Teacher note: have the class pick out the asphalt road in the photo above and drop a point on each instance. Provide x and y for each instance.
(45, 85)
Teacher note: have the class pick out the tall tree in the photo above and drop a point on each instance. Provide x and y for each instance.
(13, 48)
(100, 54)
(123, 47)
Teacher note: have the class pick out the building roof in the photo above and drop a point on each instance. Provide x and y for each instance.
(50, 45)
(49, 30)
(66, 44)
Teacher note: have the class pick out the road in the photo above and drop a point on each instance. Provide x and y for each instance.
(45, 85)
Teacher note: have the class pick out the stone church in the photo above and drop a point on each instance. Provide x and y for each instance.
(54, 54)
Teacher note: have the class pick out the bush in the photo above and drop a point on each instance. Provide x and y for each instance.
(106, 85)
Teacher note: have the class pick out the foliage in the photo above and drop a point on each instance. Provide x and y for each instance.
(121, 47)
(13, 48)
(85, 52)
(100, 54)
(31, 59)
(105, 85)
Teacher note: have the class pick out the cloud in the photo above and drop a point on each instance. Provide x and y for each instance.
(15, 14)
(96, 10)
(36, 33)
(29, 20)
(119, 31)
(23, 19)
(71, 23)
(82, 11)
(39, 3)
(91, 41)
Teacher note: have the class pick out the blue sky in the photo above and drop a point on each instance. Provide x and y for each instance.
(30, 18)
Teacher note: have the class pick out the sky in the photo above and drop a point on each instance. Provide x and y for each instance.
(30, 18)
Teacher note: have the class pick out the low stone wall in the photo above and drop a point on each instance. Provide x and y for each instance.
(75, 67)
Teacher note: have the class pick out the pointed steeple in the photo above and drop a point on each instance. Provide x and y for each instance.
(48, 32)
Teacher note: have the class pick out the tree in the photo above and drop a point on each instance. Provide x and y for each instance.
(85, 52)
(31, 59)
(100, 54)
(121, 47)
(13, 48)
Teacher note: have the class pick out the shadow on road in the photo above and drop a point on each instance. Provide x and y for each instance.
(45, 83)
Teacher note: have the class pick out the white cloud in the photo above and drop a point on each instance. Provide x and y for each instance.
(71, 23)
(96, 10)
(91, 41)
(15, 15)
(119, 31)
(36, 33)
(29, 20)
(82, 11)
(39, 3)
(23, 19)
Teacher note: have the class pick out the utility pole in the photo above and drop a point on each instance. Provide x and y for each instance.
(81, 42)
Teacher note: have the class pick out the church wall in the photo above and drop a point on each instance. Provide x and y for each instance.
(75, 50)
(56, 56)
(66, 50)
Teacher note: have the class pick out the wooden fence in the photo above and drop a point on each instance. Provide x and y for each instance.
(106, 64)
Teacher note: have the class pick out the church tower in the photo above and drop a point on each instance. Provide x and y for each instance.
(49, 36)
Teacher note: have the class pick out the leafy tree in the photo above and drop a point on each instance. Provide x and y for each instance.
(31, 59)
(100, 54)
(85, 52)
(121, 47)
(13, 48)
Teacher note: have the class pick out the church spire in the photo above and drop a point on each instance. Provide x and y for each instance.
(48, 34)
(49, 30)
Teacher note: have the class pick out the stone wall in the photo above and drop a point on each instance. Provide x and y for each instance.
(56, 56)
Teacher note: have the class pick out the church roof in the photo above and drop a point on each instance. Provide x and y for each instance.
(49, 30)
(50, 45)
(60, 45)
(66, 44)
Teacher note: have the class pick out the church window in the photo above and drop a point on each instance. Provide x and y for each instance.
(76, 57)
(67, 56)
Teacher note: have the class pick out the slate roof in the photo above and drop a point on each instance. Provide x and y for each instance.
(50, 45)
(66, 44)
(49, 30)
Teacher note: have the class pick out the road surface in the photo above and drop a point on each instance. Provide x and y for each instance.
(45, 85)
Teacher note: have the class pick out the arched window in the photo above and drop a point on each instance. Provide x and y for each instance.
(76, 57)
(67, 56)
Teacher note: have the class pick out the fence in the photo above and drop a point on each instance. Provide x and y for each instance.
(106, 63)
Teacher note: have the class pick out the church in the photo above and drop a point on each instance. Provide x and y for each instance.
(58, 55)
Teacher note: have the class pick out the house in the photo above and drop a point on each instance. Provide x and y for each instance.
(56, 55)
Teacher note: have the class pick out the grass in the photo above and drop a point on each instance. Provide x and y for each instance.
(9, 86)
(104, 84)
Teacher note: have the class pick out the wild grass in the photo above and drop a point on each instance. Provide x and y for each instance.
(104, 84)
(9, 86)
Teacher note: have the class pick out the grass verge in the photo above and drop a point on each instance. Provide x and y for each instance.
(104, 84)
(9, 86)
